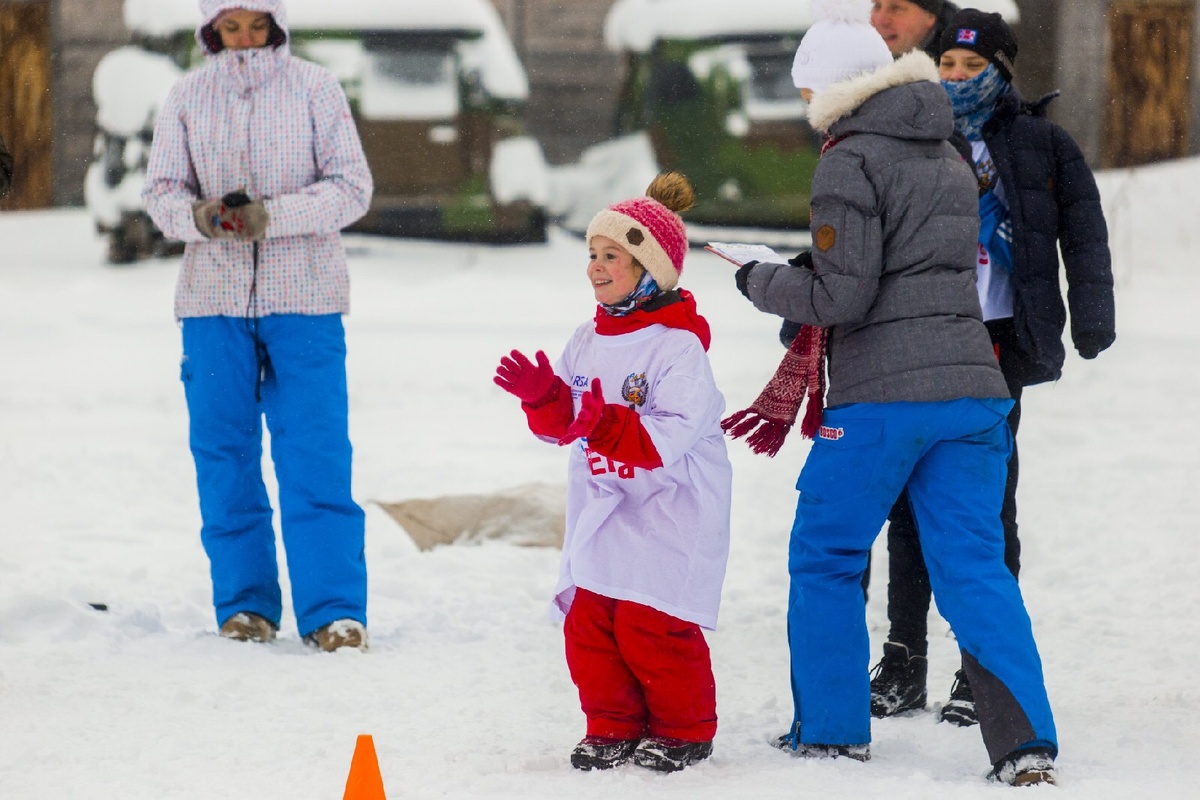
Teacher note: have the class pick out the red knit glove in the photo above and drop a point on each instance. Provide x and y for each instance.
(591, 406)
(532, 383)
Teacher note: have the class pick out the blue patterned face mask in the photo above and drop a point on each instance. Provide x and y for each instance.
(975, 99)
(647, 287)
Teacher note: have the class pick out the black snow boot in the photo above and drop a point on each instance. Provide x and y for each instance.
(664, 754)
(960, 708)
(601, 752)
(1025, 768)
(898, 681)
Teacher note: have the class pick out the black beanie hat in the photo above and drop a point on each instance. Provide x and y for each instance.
(932, 6)
(986, 34)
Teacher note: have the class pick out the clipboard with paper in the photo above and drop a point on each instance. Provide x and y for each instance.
(739, 253)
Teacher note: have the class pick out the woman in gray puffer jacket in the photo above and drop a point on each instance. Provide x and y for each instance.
(916, 399)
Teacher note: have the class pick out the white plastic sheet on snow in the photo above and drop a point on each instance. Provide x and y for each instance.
(635, 25)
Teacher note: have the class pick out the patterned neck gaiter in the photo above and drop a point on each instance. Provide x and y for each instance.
(646, 289)
(974, 100)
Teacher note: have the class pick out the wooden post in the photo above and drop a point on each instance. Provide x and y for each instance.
(26, 119)
(1148, 81)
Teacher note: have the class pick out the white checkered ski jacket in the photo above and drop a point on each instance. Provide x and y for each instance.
(280, 129)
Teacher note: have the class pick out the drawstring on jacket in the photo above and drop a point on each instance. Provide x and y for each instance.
(261, 360)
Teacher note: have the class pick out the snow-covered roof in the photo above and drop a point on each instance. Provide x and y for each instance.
(168, 16)
(491, 53)
(635, 25)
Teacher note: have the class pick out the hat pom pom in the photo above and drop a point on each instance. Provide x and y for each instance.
(673, 190)
(842, 10)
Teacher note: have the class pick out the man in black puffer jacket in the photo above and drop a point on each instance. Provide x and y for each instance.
(1054, 203)
(1037, 196)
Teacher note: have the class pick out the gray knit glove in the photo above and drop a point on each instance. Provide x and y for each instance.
(218, 219)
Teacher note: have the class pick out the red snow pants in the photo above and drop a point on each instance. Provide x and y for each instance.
(640, 672)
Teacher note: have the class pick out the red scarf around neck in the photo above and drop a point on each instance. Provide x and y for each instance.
(676, 309)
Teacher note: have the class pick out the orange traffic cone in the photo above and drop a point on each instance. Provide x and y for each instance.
(364, 782)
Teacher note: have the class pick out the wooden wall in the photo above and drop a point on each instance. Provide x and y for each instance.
(26, 119)
(1150, 45)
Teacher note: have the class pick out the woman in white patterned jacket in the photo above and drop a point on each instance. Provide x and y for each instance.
(257, 166)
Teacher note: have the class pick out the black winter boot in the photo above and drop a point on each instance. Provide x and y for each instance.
(898, 681)
(664, 754)
(960, 708)
(601, 752)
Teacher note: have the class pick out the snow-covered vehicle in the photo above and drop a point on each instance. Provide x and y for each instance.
(708, 91)
(435, 87)
(129, 85)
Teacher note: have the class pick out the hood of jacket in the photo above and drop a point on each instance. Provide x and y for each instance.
(903, 99)
(211, 9)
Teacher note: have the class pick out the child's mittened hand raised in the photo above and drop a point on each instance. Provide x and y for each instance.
(519, 376)
(590, 408)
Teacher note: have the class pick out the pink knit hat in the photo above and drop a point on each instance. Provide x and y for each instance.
(650, 227)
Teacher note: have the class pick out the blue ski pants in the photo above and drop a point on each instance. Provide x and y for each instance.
(952, 456)
(303, 397)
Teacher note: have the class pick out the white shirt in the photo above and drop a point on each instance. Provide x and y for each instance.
(657, 537)
(993, 283)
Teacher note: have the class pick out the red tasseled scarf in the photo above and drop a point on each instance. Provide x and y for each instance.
(800, 376)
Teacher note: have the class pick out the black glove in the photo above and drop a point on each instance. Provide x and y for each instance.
(789, 331)
(236, 199)
(742, 277)
(1089, 345)
(802, 260)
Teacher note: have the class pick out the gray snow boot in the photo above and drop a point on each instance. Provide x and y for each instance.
(1025, 768)
(246, 626)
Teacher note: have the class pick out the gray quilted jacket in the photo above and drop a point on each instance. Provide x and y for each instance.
(895, 224)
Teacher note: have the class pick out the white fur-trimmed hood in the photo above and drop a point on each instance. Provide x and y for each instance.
(844, 97)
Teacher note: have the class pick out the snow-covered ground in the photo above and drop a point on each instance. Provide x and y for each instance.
(464, 688)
